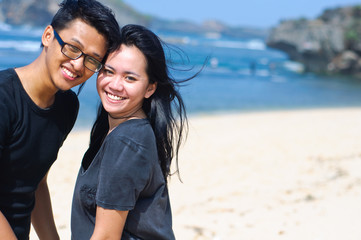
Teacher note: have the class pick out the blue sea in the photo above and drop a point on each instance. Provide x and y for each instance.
(240, 75)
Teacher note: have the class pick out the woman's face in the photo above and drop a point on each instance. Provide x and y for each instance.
(123, 82)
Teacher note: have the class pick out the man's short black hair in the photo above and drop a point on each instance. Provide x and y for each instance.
(91, 12)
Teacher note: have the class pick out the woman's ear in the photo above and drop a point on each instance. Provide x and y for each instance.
(151, 89)
(48, 35)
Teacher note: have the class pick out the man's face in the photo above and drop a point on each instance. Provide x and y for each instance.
(65, 73)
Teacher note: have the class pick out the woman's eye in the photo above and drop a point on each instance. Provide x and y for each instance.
(107, 71)
(130, 78)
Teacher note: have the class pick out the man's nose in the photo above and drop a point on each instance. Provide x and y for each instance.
(78, 64)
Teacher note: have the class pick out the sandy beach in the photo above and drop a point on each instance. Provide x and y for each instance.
(262, 175)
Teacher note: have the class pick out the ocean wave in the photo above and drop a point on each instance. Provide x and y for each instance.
(294, 66)
(30, 31)
(23, 46)
(178, 40)
(19, 31)
(5, 27)
(252, 44)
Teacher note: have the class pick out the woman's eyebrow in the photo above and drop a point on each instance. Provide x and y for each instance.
(108, 66)
(133, 73)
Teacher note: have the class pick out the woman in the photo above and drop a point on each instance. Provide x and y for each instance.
(121, 190)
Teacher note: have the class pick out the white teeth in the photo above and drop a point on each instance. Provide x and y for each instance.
(113, 97)
(70, 74)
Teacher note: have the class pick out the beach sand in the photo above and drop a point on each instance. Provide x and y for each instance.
(262, 175)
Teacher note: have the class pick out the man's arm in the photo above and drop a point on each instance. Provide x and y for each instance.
(5, 230)
(42, 215)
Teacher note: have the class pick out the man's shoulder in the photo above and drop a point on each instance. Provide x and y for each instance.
(7, 75)
(68, 102)
(67, 97)
(7, 78)
(70, 95)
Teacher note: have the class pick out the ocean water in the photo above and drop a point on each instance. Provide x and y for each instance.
(239, 75)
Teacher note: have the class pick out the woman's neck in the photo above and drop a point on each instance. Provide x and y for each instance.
(115, 121)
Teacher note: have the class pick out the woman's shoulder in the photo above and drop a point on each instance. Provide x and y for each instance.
(132, 143)
(136, 132)
(135, 129)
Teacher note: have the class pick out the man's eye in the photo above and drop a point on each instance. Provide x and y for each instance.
(92, 60)
(73, 49)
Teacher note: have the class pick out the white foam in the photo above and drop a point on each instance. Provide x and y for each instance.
(294, 66)
(23, 46)
(4, 26)
(252, 44)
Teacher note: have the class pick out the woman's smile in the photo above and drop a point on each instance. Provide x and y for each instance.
(114, 97)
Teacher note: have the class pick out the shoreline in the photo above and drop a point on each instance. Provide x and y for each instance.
(288, 174)
(83, 125)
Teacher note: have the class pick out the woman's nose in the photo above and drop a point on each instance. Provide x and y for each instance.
(117, 83)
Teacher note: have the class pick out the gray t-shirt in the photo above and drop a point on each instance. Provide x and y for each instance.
(124, 175)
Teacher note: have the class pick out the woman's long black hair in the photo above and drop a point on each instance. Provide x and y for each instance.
(165, 109)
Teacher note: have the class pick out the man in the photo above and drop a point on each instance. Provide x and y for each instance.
(38, 110)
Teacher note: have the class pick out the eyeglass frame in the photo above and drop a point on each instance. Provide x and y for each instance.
(86, 56)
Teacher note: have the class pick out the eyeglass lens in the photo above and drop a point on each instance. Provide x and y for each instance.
(75, 53)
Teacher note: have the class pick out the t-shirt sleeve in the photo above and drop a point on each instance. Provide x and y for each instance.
(72, 109)
(123, 174)
(4, 122)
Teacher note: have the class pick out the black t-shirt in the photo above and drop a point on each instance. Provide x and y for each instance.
(124, 175)
(30, 138)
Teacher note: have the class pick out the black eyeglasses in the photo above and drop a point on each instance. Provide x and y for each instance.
(74, 53)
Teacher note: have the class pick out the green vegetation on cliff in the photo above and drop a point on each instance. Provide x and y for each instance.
(330, 44)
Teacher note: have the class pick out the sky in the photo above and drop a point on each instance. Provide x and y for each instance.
(253, 13)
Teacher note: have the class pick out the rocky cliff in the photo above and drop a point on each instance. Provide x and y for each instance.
(330, 44)
(40, 12)
(27, 12)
